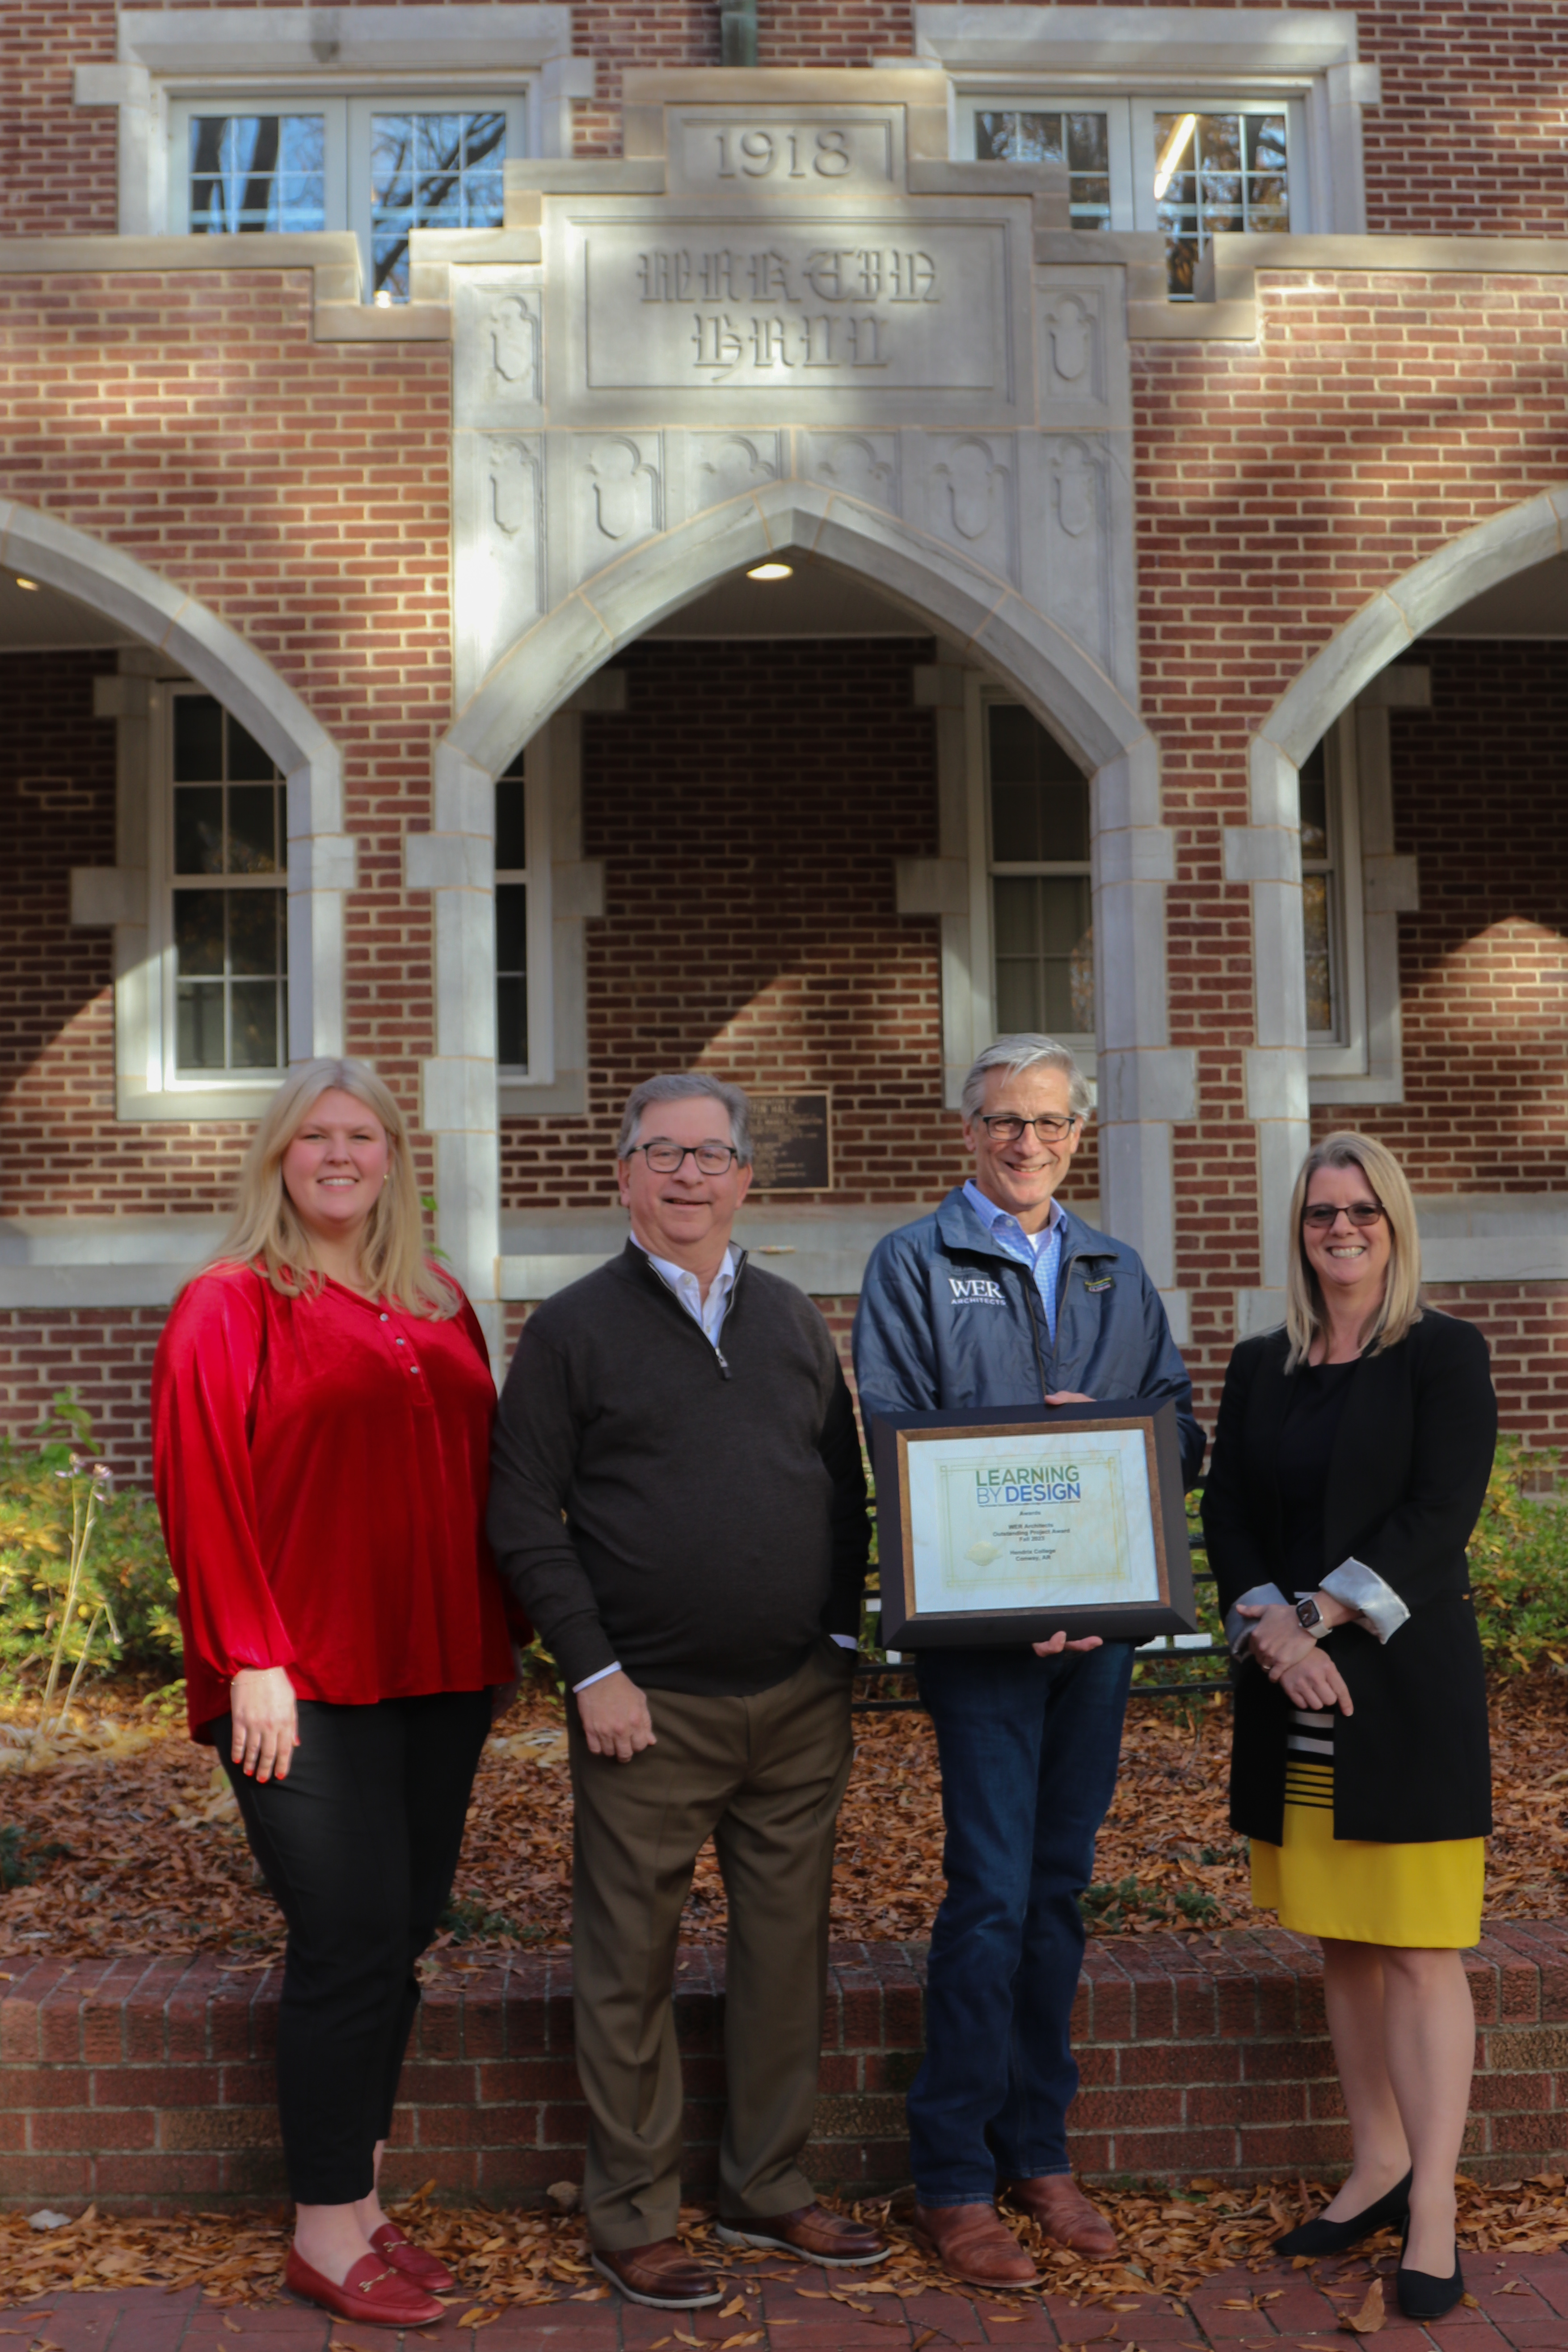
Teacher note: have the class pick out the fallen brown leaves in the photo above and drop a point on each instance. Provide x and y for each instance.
(158, 1863)
(1170, 2242)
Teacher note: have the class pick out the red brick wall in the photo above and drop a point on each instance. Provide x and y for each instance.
(332, 562)
(103, 1355)
(749, 806)
(1480, 793)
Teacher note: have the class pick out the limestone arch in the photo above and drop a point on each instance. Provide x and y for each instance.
(1266, 853)
(320, 856)
(1144, 1084)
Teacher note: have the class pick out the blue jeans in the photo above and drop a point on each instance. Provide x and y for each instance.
(1028, 1749)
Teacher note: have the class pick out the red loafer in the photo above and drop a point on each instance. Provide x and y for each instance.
(373, 2292)
(427, 2271)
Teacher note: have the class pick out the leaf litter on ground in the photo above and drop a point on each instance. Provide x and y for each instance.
(127, 1839)
(1169, 2244)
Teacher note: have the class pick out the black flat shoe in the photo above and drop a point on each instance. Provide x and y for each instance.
(1321, 2237)
(1422, 2296)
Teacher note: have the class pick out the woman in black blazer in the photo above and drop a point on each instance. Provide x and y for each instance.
(1350, 1465)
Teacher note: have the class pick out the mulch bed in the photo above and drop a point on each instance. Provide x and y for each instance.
(1170, 2243)
(136, 1844)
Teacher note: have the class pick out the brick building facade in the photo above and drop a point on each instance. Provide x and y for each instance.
(1171, 640)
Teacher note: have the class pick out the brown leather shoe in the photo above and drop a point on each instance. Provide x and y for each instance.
(662, 2275)
(1060, 2212)
(814, 2234)
(974, 2245)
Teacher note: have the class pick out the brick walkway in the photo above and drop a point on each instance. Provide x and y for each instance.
(1522, 2301)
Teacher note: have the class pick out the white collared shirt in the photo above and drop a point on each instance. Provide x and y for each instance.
(1041, 1250)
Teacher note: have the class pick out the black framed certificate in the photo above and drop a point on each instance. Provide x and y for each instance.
(1003, 1523)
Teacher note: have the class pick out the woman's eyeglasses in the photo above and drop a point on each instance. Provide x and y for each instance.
(1360, 1213)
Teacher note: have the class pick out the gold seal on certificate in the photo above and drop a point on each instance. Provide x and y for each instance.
(1002, 1524)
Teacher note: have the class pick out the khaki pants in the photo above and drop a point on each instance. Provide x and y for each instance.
(764, 1777)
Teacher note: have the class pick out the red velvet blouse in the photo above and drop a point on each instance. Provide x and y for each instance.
(323, 1468)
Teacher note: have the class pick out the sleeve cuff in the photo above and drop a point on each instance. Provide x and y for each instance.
(1375, 1603)
(1238, 1628)
(589, 1680)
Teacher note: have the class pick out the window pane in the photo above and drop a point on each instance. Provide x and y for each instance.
(1318, 961)
(198, 1036)
(1314, 804)
(252, 829)
(1232, 177)
(248, 763)
(198, 829)
(256, 172)
(1015, 912)
(198, 933)
(511, 827)
(253, 924)
(511, 1022)
(511, 927)
(1045, 953)
(253, 1024)
(431, 171)
(1005, 135)
(198, 739)
(1014, 824)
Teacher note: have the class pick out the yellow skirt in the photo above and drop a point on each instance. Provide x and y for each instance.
(1428, 1896)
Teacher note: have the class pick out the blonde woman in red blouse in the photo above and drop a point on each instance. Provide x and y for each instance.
(322, 1410)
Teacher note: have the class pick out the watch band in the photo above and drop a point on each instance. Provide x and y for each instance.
(1310, 1619)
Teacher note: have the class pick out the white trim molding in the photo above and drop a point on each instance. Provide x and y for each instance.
(180, 637)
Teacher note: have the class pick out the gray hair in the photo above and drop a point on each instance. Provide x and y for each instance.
(1026, 1052)
(681, 1086)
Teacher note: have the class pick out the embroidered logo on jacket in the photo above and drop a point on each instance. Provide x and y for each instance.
(1105, 1282)
(975, 1290)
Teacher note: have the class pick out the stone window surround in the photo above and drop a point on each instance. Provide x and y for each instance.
(1307, 54)
(404, 50)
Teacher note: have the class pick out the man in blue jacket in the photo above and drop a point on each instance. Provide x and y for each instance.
(1003, 1298)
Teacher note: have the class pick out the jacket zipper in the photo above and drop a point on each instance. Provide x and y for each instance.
(723, 1361)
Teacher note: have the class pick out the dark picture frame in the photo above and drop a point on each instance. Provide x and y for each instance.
(905, 1626)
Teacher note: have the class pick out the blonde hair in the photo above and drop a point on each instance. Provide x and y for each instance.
(1401, 1304)
(266, 1231)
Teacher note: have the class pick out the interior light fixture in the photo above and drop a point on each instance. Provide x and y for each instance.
(24, 583)
(771, 572)
(1171, 154)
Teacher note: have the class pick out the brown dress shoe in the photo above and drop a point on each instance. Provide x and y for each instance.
(974, 2245)
(662, 2275)
(814, 2234)
(1060, 2212)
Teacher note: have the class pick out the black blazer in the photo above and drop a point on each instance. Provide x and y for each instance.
(1406, 1479)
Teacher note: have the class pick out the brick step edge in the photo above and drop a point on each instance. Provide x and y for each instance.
(147, 2082)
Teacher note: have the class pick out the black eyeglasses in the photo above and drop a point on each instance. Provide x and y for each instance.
(1360, 1213)
(664, 1159)
(1005, 1128)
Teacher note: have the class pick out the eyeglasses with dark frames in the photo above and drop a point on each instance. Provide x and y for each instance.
(664, 1159)
(1322, 1218)
(1005, 1128)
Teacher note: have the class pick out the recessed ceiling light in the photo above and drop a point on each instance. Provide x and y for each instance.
(771, 572)
(24, 583)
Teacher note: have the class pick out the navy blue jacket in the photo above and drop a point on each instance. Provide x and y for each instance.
(947, 1319)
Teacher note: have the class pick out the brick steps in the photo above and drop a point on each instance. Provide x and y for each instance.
(147, 2084)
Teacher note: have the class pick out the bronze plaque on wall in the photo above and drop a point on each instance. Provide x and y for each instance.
(792, 1141)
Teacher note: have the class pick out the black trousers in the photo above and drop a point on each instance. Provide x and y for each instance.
(360, 1846)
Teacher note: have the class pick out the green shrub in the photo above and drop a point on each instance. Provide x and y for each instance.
(125, 1591)
(1519, 1564)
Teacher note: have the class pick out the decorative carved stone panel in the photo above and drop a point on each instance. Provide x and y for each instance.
(498, 354)
(862, 465)
(720, 465)
(499, 548)
(1081, 354)
(617, 497)
(968, 484)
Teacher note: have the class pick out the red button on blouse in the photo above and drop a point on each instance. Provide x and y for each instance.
(322, 1468)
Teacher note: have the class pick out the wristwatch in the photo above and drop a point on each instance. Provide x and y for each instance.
(1310, 1618)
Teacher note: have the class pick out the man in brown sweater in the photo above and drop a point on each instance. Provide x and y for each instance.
(678, 1500)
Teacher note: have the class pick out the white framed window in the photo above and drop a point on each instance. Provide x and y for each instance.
(1333, 907)
(381, 164)
(524, 1046)
(1185, 164)
(1030, 831)
(217, 911)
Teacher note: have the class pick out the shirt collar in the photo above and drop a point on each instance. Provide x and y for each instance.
(999, 1221)
(679, 1276)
